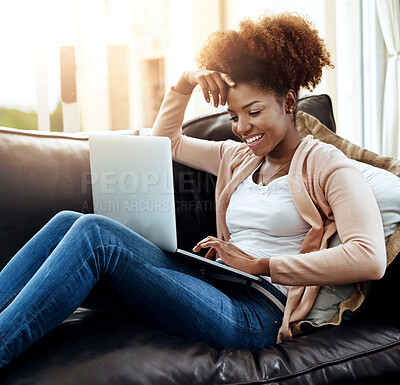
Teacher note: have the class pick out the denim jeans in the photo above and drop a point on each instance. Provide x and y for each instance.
(56, 270)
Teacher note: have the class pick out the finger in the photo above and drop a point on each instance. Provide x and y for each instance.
(198, 245)
(228, 80)
(204, 88)
(214, 89)
(222, 89)
(210, 254)
(214, 244)
(201, 245)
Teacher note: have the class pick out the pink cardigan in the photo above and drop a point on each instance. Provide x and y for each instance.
(329, 193)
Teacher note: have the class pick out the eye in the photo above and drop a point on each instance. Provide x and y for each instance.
(233, 118)
(254, 113)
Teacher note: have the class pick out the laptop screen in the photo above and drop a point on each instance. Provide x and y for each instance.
(132, 183)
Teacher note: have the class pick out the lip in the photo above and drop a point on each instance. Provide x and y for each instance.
(255, 143)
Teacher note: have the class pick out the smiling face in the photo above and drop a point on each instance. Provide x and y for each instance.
(261, 122)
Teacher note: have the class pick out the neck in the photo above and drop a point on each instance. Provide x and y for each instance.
(282, 157)
(284, 151)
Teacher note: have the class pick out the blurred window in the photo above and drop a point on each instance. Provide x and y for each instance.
(17, 66)
(29, 69)
(118, 86)
(153, 89)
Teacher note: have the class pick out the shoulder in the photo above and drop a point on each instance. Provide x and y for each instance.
(232, 150)
(327, 153)
(318, 153)
(320, 160)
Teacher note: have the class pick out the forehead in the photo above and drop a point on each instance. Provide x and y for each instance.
(243, 94)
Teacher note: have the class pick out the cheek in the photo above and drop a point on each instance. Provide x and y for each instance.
(234, 128)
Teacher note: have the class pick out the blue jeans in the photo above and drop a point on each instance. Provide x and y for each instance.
(56, 270)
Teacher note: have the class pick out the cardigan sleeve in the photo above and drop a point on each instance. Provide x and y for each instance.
(197, 153)
(362, 254)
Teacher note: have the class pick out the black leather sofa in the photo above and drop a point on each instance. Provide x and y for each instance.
(42, 174)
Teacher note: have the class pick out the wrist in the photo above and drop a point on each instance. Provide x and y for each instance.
(262, 266)
(183, 86)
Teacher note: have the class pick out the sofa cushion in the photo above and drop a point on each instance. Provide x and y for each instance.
(93, 348)
(386, 188)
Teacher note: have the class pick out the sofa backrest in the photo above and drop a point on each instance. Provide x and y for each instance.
(40, 175)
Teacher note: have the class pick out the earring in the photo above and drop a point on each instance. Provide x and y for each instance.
(290, 110)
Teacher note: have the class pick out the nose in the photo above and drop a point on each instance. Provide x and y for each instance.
(243, 126)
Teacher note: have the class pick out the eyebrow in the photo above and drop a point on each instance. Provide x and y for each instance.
(247, 105)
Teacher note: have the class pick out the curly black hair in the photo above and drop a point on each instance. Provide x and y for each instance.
(274, 53)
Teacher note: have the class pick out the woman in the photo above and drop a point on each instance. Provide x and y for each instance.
(279, 199)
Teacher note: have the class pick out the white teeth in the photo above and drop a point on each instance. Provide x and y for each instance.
(254, 138)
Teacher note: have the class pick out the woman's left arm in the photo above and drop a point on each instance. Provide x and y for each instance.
(362, 254)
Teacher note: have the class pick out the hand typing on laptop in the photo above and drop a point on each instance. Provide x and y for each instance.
(233, 256)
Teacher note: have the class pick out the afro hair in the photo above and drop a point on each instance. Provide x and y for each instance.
(274, 53)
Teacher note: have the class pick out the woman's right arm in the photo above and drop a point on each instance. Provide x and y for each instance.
(197, 153)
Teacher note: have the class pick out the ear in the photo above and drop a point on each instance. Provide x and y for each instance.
(290, 101)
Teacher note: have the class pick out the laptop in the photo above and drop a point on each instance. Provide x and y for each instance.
(132, 183)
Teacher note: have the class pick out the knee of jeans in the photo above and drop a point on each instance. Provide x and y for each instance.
(89, 222)
(67, 215)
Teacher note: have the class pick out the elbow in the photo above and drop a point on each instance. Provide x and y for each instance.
(156, 131)
(379, 270)
(374, 261)
(377, 267)
(175, 142)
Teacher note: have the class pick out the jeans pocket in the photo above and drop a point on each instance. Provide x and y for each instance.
(273, 312)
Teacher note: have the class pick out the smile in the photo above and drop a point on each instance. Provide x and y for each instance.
(254, 140)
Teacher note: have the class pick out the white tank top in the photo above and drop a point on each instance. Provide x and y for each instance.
(264, 222)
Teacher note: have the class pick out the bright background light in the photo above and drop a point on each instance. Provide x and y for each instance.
(155, 40)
